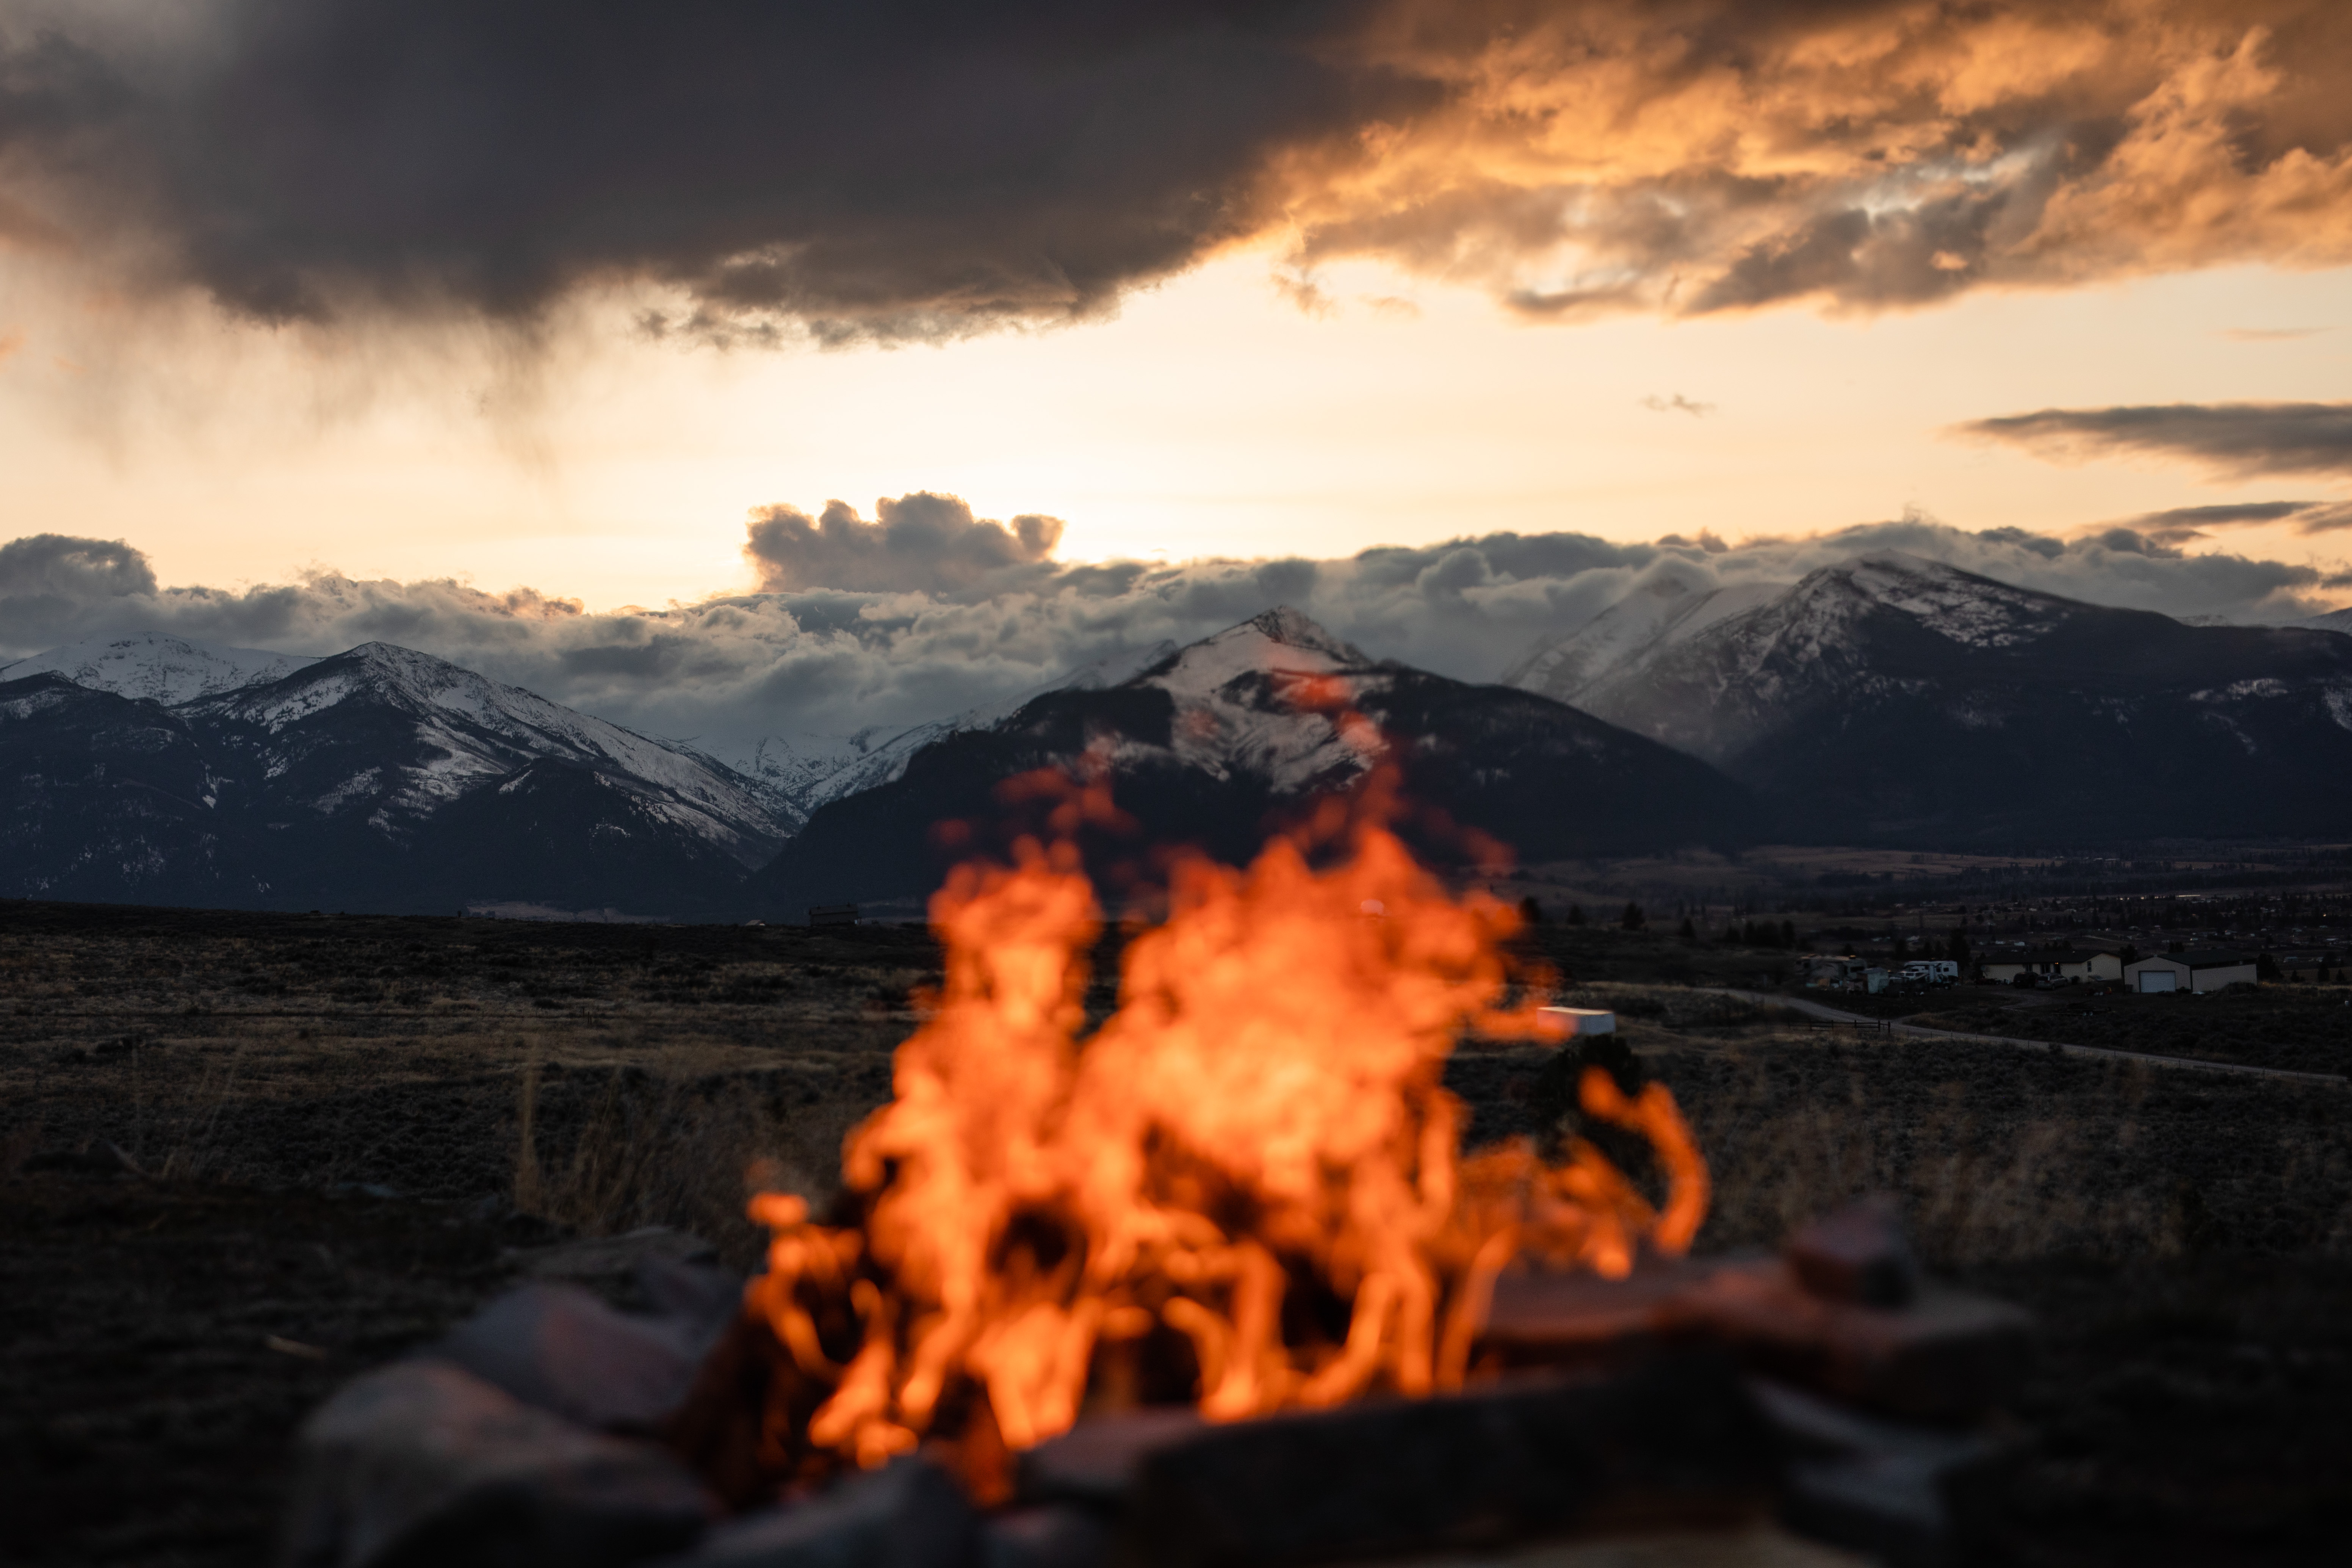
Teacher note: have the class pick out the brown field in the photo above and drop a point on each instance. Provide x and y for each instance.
(343, 1127)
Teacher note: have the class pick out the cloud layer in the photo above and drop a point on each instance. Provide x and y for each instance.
(924, 168)
(2239, 440)
(934, 636)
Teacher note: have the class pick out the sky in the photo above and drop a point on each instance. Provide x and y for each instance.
(479, 326)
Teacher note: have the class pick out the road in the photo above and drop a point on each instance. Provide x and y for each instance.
(1832, 1015)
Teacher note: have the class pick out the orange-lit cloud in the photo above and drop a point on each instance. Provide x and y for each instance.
(1699, 157)
(840, 172)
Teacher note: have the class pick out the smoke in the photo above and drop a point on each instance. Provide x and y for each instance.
(897, 169)
(973, 612)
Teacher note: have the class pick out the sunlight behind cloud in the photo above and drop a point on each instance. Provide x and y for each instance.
(1211, 417)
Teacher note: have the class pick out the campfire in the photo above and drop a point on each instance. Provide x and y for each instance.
(1210, 1283)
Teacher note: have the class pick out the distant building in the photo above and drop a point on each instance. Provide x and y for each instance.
(2310, 968)
(2051, 965)
(2201, 972)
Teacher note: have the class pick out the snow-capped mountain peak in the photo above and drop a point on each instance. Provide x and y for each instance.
(158, 669)
(1281, 641)
(1237, 713)
(1957, 605)
(449, 729)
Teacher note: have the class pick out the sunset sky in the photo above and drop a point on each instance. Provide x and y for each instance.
(563, 299)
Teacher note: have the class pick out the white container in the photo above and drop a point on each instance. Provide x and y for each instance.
(1580, 1020)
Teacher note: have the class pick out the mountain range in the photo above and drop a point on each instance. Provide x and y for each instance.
(1889, 700)
(1885, 700)
(1210, 747)
(381, 778)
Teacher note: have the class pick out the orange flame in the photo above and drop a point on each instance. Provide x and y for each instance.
(1262, 1115)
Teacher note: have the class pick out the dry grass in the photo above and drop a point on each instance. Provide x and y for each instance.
(2003, 1156)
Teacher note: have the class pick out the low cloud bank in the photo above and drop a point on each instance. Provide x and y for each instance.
(942, 611)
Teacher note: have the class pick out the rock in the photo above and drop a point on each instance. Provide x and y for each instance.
(1859, 1253)
(1096, 1460)
(610, 1257)
(908, 1514)
(1911, 1496)
(689, 1290)
(563, 1350)
(423, 1466)
(1948, 1354)
(1526, 1455)
(1056, 1537)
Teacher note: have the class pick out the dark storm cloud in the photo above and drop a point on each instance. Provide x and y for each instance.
(52, 580)
(902, 168)
(922, 542)
(2231, 438)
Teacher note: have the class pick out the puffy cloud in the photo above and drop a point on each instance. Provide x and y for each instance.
(926, 168)
(835, 660)
(2238, 439)
(47, 577)
(922, 541)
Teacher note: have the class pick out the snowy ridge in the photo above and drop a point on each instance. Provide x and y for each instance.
(466, 730)
(1747, 649)
(158, 669)
(1669, 607)
(1234, 708)
(799, 773)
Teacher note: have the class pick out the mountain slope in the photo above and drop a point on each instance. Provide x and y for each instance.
(1210, 747)
(1893, 699)
(103, 797)
(158, 668)
(385, 737)
(1670, 608)
(379, 779)
(795, 774)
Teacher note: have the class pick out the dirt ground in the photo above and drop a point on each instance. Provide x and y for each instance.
(334, 1131)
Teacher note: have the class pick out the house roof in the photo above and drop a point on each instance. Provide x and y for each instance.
(2038, 955)
(2206, 958)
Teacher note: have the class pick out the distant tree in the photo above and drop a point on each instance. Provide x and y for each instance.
(1576, 914)
(1957, 949)
(2265, 967)
(1789, 934)
(1902, 953)
(1531, 910)
(1689, 933)
(1632, 919)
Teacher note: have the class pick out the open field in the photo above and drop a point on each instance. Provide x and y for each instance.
(346, 1125)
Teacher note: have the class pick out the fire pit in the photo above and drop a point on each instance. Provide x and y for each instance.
(1213, 1285)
